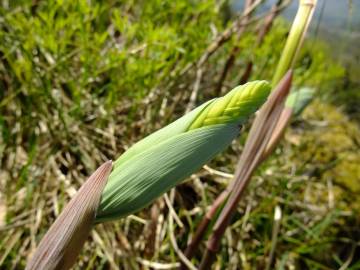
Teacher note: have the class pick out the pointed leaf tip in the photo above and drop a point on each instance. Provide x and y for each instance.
(63, 241)
(235, 106)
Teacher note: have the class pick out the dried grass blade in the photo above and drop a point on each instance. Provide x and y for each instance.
(279, 129)
(63, 241)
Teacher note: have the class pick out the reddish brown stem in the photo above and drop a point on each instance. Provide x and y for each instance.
(235, 50)
(275, 10)
(268, 22)
(203, 226)
(208, 259)
(258, 139)
(279, 129)
(245, 77)
(276, 135)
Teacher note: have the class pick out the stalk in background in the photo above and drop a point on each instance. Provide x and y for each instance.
(248, 9)
(264, 29)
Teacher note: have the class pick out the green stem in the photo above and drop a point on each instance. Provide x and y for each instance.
(295, 39)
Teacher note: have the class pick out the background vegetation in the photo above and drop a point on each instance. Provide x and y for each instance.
(80, 81)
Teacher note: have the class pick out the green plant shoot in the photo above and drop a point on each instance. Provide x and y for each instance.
(160, 161)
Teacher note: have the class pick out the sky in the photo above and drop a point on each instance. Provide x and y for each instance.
(337, 14)
(340, 21)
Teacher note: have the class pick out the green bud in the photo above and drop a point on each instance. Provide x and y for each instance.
(236, 106)
(160, 161)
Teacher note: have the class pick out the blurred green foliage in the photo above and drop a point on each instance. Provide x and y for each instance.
(72, 58)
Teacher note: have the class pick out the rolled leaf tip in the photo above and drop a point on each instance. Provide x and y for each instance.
(235, 106)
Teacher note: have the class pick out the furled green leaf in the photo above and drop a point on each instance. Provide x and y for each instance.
(156, 170)
(161, 160)
(177, 127)
(299, 99)
(235, 106)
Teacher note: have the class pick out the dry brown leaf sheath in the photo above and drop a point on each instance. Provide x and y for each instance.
(258, 138)
(62, 243)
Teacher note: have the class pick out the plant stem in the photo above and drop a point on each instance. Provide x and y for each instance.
(295, 39)
(275, 233)
(259, 136)
(265, 28)
(204, 224)
(235, 50)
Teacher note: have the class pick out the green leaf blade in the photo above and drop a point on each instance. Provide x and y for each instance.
(137, 182)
